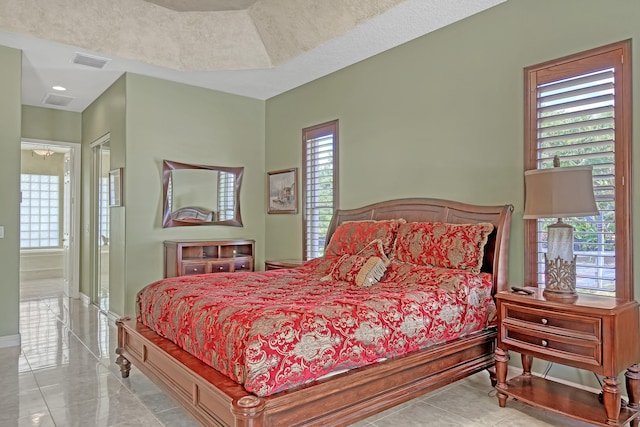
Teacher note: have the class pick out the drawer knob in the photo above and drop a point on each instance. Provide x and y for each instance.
(545, 343)
(220, 268)
(242, 266)
(195, 269)
(544, 321)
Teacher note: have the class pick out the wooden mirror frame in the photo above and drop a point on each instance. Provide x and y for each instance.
(169, 166)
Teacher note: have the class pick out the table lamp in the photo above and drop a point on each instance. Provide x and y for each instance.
(559, 192)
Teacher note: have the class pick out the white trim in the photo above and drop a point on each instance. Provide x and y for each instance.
(104, 138)
(76, 236)
(75, 152)
(10, 341)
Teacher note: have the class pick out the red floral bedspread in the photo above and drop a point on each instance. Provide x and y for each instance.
(282, 328)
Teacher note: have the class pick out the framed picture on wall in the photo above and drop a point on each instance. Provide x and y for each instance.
(115, 187)
(282, 191)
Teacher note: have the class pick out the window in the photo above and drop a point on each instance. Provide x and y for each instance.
(320, 189)
(39, 211)
(226, 196)
(103, 219)
(579, 108)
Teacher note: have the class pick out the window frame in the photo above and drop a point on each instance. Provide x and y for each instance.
(617, 56)
(309, 133)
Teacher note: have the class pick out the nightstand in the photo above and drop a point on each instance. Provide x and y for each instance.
(595, 333)
(282, 263)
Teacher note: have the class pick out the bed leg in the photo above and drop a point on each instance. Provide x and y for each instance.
(125, 365)
(492, 375)
(502, 358)
(248, 411)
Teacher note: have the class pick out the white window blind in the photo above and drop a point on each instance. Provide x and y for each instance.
(39, 211)
(320, 182)
(103, 220)
(576, 121)
(226, 196)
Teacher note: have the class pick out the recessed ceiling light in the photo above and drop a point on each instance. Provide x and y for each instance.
(60, 88)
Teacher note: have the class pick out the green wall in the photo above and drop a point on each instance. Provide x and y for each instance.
(172, 121)
(442, 116)
(10, 118)
(104, 116)
(51, 125)
(150, 120)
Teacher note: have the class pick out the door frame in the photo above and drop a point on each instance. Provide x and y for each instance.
(72, 284)
(95, 211)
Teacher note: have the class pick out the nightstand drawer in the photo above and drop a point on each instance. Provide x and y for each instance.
(580, 327)
(518, 335)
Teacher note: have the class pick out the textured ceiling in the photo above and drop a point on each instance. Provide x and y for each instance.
(264, 34)
(204, 5)
(255, 48)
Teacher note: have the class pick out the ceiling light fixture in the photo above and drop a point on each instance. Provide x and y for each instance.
(60, 88)
(44, 152)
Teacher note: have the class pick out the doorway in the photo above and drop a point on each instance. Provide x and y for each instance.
(49, 219)
(101, 222)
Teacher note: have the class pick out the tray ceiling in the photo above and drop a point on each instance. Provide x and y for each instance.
(255, 48)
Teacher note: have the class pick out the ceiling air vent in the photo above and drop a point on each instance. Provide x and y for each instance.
(57, 100)
(90, 60)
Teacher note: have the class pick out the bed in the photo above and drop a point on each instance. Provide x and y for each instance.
(353, 394)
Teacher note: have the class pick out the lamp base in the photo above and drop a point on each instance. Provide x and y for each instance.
(560, 278)
(560, 296)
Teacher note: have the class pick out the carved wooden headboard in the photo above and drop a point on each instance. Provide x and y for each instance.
(496, 257)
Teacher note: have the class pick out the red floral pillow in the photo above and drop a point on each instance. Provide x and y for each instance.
(361, 270)
(438, 244)
(351, 237)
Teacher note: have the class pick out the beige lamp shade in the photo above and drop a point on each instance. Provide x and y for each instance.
(559, 192)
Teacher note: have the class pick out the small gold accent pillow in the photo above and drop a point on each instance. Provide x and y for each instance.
(361, 270)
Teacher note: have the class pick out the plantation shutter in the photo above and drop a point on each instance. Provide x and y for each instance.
(226, 196)
(576, 122)
(320, 172)
(578, 108)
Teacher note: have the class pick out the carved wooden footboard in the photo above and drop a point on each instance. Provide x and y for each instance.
(342, 399)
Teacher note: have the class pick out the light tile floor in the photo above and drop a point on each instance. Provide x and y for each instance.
(64, 375)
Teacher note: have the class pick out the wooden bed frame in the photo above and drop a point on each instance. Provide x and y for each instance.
(343, 399)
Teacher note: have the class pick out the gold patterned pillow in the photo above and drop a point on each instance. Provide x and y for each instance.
(361, 270)
(439, 244)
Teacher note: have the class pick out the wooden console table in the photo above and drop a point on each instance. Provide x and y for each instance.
(595, 333)
(187, 257)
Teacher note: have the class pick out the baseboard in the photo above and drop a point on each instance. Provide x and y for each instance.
(110, 314)
(85, 298)
(10, 341)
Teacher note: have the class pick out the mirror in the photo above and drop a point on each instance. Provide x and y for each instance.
(200, 194)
